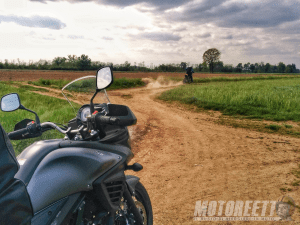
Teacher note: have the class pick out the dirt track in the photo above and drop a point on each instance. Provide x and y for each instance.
(187, 157)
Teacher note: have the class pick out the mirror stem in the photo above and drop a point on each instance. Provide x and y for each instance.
(92, 105)
(37, 119)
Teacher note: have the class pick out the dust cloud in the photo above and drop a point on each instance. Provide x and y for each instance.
(160, 82)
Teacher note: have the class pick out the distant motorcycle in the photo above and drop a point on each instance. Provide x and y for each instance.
(188, 78)
(78, 180)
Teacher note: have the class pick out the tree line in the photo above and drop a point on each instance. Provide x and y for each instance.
(83, 63)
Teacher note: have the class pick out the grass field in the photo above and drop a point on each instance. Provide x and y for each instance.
(277, 100)
(48, 109)
(119, 83)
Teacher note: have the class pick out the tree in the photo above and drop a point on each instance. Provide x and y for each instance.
(211, 56)
(183, 65)
(204, 67)
(289, 69)
(84, 62)
(58, 60)
(239, 68)
(268, 68)
(247, 67)
(281, 67)
(252, 68)
(219, 66)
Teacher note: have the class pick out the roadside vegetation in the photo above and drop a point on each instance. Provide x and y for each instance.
(48, 109)
(276, 100)
(237, 78)
(84, 63)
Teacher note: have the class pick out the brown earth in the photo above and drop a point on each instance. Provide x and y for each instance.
(187, 157)
(31, 75)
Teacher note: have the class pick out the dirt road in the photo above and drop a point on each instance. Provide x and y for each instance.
(187, 157)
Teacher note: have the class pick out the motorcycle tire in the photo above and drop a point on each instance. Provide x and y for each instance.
(143, 203)
(185, 81)
(141, 200)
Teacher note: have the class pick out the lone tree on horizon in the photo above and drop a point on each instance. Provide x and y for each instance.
(211, 56)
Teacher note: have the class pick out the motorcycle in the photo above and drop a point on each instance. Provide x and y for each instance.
(79, 179)
(187, 79)
(188, 76)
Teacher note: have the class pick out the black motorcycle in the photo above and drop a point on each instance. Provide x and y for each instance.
(77, 180)
(187, 79)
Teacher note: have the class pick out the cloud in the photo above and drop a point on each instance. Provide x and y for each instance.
(74, 37)
(34, 21)
(205, 35)
(227, 37)
(158, 5)
(157, 36)
(140, 28)
(229, 13)
(107, 38)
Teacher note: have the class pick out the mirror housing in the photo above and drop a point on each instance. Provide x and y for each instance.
(10, 102)
(104, 78)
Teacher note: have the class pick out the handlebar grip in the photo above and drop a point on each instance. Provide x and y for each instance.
(15, 135)
(107, 120)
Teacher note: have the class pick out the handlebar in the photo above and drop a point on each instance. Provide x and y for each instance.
(16, 134)
(45, 124)
(100, 120)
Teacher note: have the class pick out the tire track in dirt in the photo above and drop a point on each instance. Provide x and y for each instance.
(187, 157)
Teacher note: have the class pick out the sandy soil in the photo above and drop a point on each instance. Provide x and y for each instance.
(30, 75)
(187, 157)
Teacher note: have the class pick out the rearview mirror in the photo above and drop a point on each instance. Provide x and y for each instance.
(104, 78)
(10, 102)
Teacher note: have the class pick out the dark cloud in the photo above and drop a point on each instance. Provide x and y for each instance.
(205, 35)
(224, 13)
(156, 4)
(179, 29)
(34, 21)
(157, 36)
(252, 51)
(227, 37)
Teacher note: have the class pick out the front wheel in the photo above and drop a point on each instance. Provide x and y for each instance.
(142, 202)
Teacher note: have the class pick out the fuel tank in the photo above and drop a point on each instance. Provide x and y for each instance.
(66, 171)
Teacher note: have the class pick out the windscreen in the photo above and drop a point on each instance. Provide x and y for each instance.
(80, 91)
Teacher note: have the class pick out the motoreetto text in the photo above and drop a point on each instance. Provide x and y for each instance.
(241, 209)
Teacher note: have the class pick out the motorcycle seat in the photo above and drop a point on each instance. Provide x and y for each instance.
(15, 204)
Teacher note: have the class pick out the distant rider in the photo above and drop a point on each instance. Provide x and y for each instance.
(190, 71)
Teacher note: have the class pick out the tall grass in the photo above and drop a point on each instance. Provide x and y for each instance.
(266, 99)
(48, 109)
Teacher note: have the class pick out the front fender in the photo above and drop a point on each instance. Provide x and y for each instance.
(131, 182)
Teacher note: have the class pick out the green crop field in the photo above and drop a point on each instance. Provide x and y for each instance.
(48, 109)
(119, 83)
(277, 100)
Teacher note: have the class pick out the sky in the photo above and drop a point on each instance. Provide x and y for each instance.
(151, 31)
